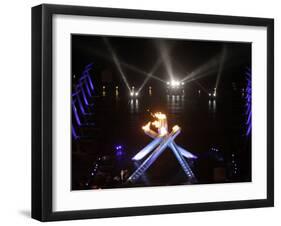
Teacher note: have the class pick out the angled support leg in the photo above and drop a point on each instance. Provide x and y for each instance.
(147, 149)
(191, 177)
(155, 154)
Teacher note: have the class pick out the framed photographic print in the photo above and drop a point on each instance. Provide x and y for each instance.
(144, 112)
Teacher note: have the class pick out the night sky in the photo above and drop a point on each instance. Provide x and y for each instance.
(143, 53)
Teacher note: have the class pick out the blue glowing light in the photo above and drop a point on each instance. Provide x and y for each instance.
(87, 77)
(248, 103)
(76, 114)
(74, 133)
(89, 66)
(91, 84)
(82, 109)
(76, 98)
(85, 81)
(88, 90)
(84, 97)
(119, 150)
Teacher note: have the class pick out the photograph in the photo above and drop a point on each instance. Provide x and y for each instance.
(149, 111)
(145, 112)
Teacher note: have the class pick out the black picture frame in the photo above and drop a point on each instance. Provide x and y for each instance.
(42, 111)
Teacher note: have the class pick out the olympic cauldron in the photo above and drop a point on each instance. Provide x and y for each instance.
(162, 139)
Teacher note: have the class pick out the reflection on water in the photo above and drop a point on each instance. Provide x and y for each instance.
(116, 91)
(103, 91)
(134, 105)
(150, 91)
(175, 103)
(212, 106)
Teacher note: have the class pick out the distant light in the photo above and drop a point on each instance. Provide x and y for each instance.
(119, 150)
(118, 147)
(209, 94)
(133, 93)
(214, 94)
(174, 83)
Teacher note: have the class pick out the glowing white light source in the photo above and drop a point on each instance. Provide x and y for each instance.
(175, 84)
(134, 94)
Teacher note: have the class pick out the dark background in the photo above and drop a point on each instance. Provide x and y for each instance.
(205, 123)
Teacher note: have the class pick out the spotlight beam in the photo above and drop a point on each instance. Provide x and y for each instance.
(223, 57)
(211, 71)
(114, 59)
(202, 75)
(144, 82)
(131, 67)
(164, 53)
(201, 86)
(134, 68)
(211, 64)
(117, 63)
(150, 75)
